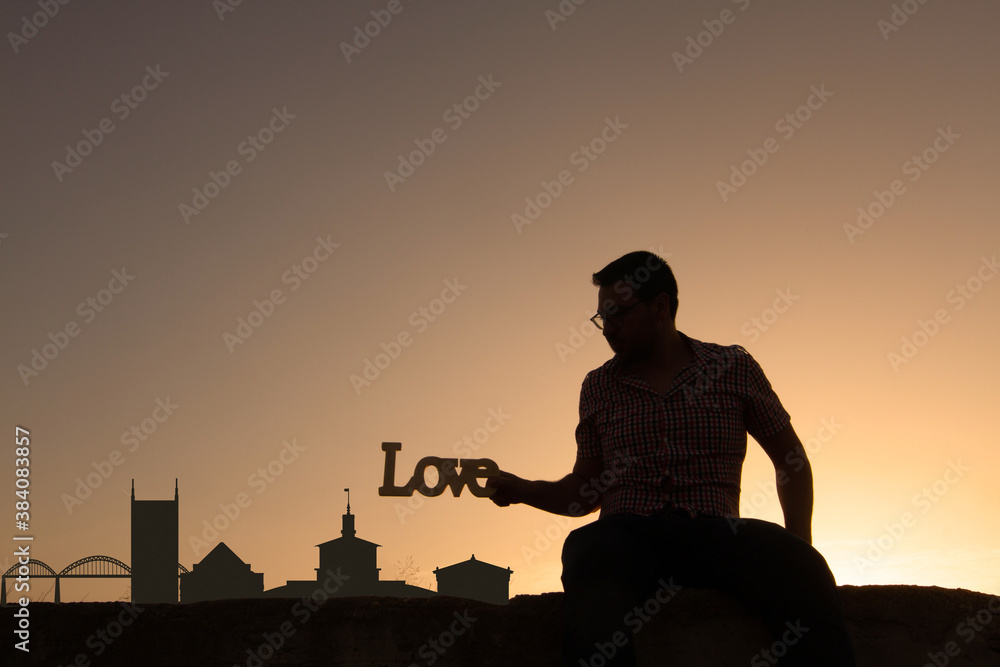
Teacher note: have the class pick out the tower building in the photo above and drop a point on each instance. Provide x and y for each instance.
(154, 559)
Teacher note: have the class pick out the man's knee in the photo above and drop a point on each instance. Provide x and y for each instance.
(788, 553)
(594, 550)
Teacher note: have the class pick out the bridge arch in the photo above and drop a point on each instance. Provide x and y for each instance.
(97, 566)
(91, 566)
(36, 568)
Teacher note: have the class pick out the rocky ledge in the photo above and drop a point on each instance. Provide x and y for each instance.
(908, 626)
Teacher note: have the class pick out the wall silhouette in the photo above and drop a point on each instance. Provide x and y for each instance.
(155, 527)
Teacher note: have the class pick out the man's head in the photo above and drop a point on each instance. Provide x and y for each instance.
(637, 302)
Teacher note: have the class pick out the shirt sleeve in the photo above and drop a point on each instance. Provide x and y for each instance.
(588, 443)
(763, 413)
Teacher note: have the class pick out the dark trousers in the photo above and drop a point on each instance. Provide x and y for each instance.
(619, 562)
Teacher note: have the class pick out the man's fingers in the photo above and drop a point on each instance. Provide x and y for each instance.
(499, 483)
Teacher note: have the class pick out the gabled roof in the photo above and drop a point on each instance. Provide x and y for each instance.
(221, 556)
(473, 564)
(347, 540)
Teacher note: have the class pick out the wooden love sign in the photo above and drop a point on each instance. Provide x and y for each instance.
(449, 475)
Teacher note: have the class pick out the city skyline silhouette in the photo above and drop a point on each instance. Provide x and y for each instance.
(155, 576)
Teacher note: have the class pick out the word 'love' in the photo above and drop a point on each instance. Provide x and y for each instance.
(449, 475)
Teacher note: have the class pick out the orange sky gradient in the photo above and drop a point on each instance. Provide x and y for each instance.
(743, 161)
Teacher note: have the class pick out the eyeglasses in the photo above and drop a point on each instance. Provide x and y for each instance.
(618, 318)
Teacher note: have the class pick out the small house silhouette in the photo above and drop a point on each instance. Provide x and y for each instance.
(475, 580)
(221, 575)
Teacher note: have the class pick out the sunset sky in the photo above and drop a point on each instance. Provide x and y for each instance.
(216, 219)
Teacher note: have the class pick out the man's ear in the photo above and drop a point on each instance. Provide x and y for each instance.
(661, 304)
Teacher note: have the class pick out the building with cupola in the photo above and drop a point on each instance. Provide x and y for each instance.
(353, 563)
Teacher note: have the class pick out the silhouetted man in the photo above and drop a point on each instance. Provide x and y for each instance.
(660, 449)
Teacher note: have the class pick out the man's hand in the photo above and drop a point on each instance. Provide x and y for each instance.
(563, 497)
(507, 486)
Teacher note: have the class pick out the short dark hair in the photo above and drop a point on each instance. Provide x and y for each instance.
(643, 272)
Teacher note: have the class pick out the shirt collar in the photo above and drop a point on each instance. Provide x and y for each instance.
(703, 360)
(701, 353)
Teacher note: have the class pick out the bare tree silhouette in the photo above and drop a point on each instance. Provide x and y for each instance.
(410, 572)
(407, 571)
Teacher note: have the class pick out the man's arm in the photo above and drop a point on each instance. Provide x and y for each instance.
(566, 496)
(794, 479)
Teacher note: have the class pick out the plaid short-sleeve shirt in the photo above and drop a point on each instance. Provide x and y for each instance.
(685, 449)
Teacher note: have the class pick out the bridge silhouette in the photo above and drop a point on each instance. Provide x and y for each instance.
(92, 567)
